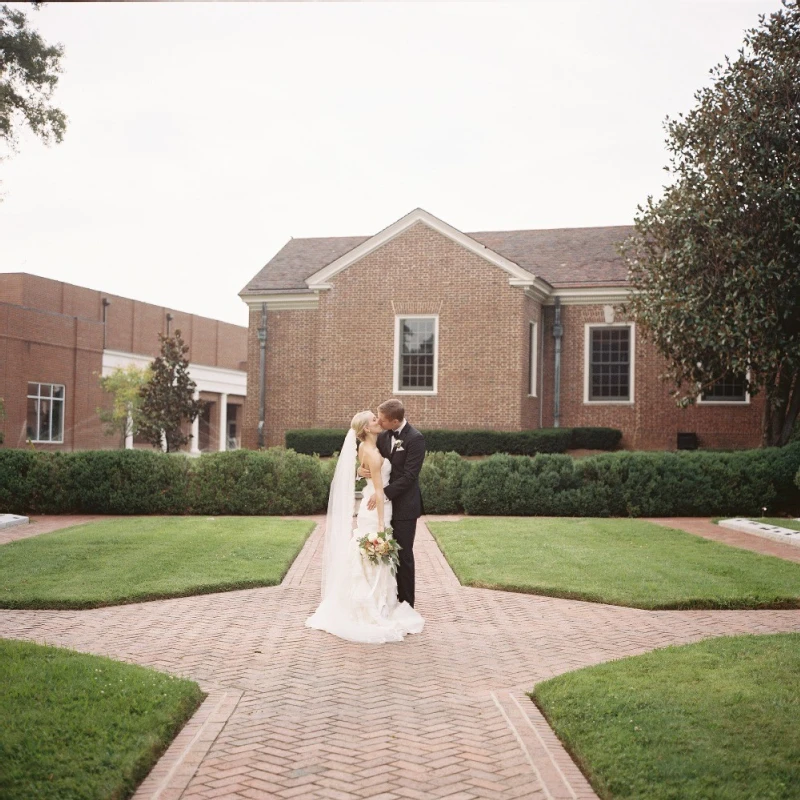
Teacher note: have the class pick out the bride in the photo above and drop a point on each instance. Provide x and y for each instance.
(359, 598)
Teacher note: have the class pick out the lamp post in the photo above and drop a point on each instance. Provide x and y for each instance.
(262, 376)
(169, 319)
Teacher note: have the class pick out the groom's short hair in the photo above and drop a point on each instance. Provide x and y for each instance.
(393, 409)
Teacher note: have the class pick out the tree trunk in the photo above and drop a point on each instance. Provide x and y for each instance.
(792, 409)
(781, 407)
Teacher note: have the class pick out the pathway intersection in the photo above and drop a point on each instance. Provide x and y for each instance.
(296, 713)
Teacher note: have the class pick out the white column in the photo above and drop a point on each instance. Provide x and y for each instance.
(195, 446)
(223, 422)
(129, 434)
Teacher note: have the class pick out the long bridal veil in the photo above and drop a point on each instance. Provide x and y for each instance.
(339, 524)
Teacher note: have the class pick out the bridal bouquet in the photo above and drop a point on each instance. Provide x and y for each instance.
(380, 548)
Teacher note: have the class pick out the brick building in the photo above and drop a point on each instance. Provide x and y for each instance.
(462, 328)
(56, 340)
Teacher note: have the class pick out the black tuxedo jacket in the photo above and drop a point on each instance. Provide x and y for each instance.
(406, 459)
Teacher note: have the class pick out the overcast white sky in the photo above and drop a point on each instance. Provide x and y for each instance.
(203, 136)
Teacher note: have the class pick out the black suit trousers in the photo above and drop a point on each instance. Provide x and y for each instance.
(404, 531)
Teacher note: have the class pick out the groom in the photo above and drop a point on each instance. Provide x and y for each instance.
(404, 446)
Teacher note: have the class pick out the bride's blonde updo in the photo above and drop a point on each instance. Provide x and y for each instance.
(359, 424)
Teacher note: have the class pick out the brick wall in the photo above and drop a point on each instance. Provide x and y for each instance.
(132, 326)
(52, 332)
(653, 420)
(45, 347)
(324, 365)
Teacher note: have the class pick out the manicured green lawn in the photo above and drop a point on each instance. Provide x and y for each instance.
(792, 524)
(145, 558)
(715, 720)
(619, 561)
(83, 727)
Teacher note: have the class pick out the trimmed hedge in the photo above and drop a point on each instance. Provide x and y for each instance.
(278, 481)
(595, 438)
(274, 481)
(481, 443)
(441, 481)
(698, 483)
(319, 441)
(326, 442)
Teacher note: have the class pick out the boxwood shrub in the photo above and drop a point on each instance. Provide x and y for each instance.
(440, 480)
(125, 482)
(482, 443)
(322, 441)
(278, 481)
(325, 442)
(698, 483)
(595, 438)
(274, 481)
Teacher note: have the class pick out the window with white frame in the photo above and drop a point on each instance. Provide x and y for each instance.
(731, 388)
(609, 364)
(45, 421)
(416, 353)
(532, 359)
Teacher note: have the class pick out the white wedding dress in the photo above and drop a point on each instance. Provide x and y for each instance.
(361, 605)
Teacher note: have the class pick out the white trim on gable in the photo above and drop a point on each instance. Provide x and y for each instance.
(518, 276)
(282, 301)
(595, 295)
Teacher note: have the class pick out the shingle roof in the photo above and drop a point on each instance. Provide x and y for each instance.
(563, 257)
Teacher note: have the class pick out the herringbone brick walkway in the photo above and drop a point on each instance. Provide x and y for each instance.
(296, 713)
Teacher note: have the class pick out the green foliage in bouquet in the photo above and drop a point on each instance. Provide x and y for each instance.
(381, 548)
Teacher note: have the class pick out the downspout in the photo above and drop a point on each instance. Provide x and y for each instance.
(540, 365)
(558, 332)
(262, 376)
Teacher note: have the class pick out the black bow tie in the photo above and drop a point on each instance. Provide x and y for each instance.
(396, 434)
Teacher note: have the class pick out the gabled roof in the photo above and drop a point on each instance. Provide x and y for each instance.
(563, 257)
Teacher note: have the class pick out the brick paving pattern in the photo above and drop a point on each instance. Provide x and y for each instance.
(296, 713)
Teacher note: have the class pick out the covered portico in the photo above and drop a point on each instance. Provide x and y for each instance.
(224, 390)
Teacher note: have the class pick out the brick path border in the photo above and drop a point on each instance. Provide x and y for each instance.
(745, 541)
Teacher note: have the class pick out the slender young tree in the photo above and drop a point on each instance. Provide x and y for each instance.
(715, 263)
(123, 419)
(168, 397)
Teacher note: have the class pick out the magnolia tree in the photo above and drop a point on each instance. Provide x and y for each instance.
(124, 384)
(715, 263)
(168, 397)
(29, 71)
